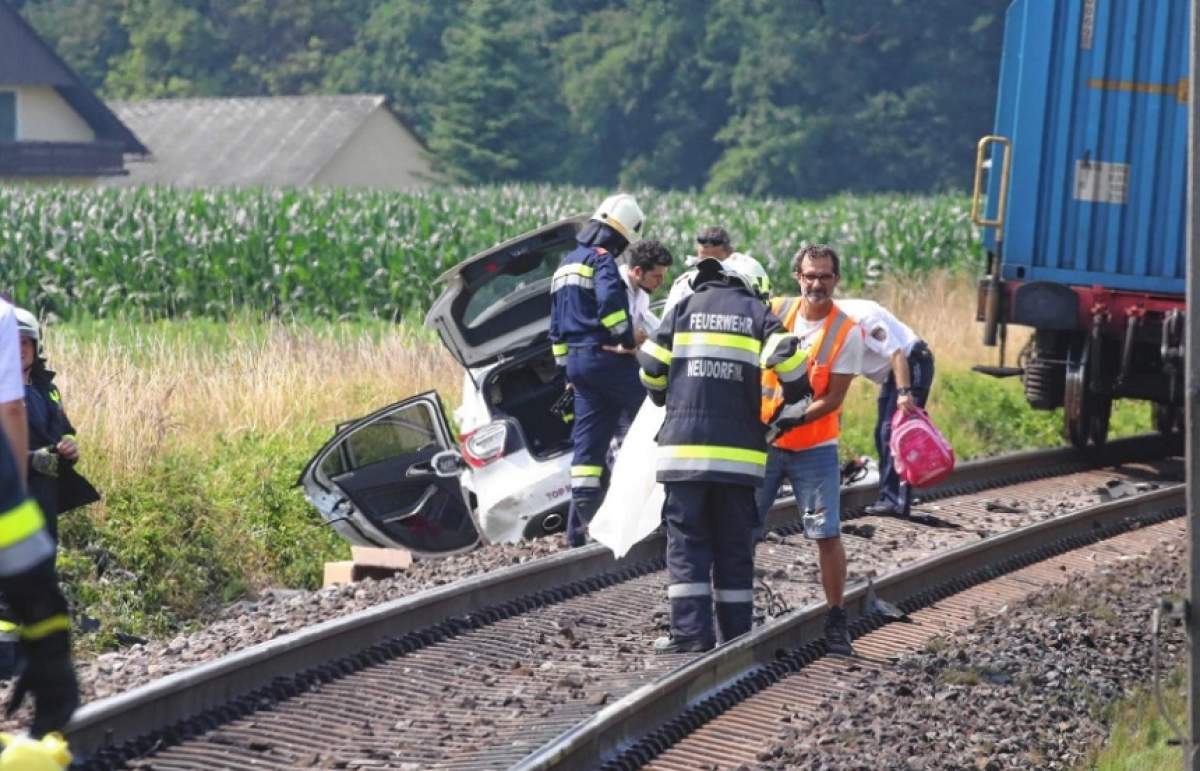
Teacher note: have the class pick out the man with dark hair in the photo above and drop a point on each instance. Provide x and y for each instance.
(646, 267)
(804, 442)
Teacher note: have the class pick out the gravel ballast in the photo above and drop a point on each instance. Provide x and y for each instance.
(1024, 689)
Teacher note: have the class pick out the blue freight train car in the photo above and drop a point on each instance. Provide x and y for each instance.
(1084, 217)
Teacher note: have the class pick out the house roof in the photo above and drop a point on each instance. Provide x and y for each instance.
(26, 60)
(277, 141)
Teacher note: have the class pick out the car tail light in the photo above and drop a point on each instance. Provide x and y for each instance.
(484, 444)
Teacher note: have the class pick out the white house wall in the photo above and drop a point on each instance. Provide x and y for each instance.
(382, 155)
(43, 116)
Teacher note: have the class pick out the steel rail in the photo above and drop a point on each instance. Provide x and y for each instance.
(164, 707)
(648, 720)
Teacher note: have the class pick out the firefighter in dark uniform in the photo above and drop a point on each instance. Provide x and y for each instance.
(30, 586)
(705, 364)
(53, 452)
(591, 335)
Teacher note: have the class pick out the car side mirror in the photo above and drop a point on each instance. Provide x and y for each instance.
(447, 463)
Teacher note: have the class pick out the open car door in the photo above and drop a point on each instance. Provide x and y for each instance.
(374, 483)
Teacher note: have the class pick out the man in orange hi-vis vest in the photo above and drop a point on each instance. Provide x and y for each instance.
(804, 445)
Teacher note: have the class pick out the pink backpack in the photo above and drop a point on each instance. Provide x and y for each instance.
(922, 456)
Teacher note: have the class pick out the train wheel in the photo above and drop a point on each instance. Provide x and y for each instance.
(1101, 412)
(1085, 414)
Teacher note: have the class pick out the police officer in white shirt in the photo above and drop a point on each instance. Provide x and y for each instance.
(902, 364)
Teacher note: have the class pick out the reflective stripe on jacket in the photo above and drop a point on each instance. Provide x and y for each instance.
(589, 304)
(822, 354)
(707, 359)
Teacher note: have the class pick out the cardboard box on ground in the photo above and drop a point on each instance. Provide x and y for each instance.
(367, 562)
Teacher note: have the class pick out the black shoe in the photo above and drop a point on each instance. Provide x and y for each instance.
(882, 509)
(680, 645)
(837, 637)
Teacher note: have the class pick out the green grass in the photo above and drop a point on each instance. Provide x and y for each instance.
(979, 416)
(1138, 736)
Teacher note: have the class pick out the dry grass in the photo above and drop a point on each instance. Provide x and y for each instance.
(139, 392)
(941, 309)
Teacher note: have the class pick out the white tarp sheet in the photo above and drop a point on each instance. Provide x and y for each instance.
(632, 508)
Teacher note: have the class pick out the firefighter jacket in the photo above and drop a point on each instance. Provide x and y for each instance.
(27, 578)
(589, 305)
(706, 363)
(48, 425)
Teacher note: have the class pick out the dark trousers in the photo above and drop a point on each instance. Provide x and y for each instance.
(608, 393)
(892, 491)
(710, 558)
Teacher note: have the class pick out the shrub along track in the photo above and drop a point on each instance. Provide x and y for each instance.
(479, 673)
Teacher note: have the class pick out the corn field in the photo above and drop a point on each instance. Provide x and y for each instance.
(155, 253)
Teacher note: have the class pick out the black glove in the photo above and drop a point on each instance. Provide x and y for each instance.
(51, 680)
(658, 397)
(786, 418)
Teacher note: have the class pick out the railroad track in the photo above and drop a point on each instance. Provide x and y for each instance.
(480, 673)
(719, 711)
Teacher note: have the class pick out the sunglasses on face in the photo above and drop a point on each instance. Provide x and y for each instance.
(712, 241)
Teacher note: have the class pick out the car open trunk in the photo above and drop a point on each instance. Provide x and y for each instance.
(525, 389)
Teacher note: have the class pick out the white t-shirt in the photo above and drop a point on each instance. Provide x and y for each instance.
(12, 383)
(849, 359)
(639, 304)
(883, 334)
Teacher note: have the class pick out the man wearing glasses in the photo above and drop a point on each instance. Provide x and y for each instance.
(804, 445)
(711, 242)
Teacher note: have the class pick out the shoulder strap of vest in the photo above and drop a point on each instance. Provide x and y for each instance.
(785, 309)
(832, 336)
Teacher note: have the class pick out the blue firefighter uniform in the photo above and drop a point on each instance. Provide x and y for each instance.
(705, 363)
(30, 586)
(590, 310)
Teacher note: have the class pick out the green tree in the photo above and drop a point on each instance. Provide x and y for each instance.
(87, 34)
(393, 53)
(642, 106)
(499, 113)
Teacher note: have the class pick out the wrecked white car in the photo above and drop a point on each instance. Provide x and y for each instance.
(398, 478)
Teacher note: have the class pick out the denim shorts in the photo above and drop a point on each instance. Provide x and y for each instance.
(816, 480)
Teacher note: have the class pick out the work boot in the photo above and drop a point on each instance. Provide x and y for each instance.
(681, 645)
(882, 509)
(837, 637)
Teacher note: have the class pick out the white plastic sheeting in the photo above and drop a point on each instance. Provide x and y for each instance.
(632, 508)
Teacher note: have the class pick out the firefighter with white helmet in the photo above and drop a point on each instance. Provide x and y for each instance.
(53, 450)
(591, 335)
(704, 364)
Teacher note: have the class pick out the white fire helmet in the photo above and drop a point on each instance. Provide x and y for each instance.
(27, 324)
(622, 213)
(748, 270)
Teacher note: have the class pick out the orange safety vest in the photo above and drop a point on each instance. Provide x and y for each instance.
(828, 344)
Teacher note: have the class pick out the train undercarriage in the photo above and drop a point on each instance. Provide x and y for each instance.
(1090, 346)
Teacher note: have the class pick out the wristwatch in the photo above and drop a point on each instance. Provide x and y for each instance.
(902, 390)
